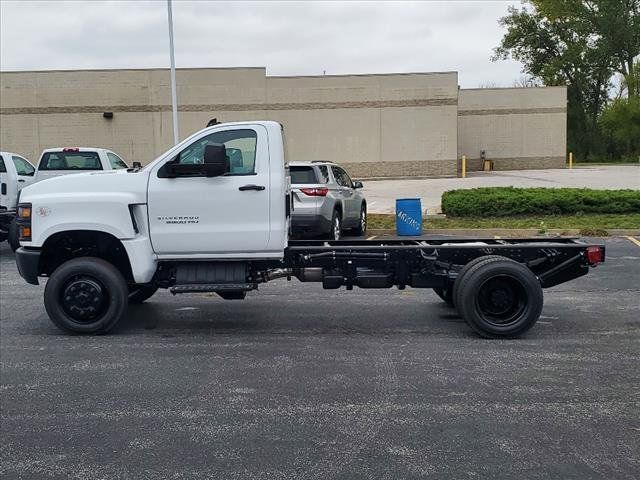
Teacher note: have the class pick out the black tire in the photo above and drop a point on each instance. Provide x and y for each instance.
(499, 298)
(14, 236)
(445, 294)
(335, 230)
(71, 292)
(361, 229)
(464, 270)
(140, 293)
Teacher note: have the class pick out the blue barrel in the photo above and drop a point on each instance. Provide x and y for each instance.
(409, 216)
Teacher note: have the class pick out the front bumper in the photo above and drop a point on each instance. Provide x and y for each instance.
(27, 261)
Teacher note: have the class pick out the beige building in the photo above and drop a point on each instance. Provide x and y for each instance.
(416, 124)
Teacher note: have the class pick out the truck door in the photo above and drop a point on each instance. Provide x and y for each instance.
(24, 170)
(221, 215)
(8, 184)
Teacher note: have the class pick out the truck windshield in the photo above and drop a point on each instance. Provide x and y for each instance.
(70, 161)
(301, 175)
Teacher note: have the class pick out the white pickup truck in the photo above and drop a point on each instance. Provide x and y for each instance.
(55, 162)
(16, 172)
(195, 221)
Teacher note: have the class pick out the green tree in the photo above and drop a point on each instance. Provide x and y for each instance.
(580, 44)
(620, 121)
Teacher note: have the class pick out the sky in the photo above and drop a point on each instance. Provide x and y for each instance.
(288, 38)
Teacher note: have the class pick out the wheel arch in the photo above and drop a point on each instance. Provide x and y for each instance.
(66, 245)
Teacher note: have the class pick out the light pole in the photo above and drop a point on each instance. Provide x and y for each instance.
(174, 95)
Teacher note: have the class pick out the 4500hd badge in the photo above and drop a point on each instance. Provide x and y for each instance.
(179, 219)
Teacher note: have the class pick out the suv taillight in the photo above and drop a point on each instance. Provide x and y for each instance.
(24, 222)
(315, 192)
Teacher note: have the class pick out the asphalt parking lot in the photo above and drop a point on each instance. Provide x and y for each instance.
(300, 383)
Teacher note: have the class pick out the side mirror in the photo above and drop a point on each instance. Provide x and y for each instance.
(137, 165)
(216, 162)
(357, 184)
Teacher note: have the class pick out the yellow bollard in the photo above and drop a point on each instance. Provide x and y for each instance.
(464, 166)
(570, 160)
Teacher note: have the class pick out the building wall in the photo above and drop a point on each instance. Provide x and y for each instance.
(519, 128)
(377, 125)
(382, 125)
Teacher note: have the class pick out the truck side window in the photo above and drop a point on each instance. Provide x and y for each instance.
(23, 167)
(240, 146)
(115, 161)
(3, 168)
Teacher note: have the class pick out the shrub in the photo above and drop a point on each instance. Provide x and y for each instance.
(510, 201)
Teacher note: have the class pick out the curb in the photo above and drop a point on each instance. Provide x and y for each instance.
(507, 232)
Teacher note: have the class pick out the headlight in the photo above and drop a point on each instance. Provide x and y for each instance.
(24, 222)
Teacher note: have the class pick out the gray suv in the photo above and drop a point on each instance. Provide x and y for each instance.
(325, 200)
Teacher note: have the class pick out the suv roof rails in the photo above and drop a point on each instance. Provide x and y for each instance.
(322, 161)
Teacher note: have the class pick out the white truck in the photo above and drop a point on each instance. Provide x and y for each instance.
(193, 221)
(16, 172)
(55, 162)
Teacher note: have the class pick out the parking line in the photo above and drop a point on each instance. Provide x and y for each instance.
(634, 240)
(372, 237)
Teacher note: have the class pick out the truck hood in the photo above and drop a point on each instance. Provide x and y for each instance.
(85, 186)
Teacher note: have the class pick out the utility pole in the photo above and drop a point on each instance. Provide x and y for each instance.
(174, 95)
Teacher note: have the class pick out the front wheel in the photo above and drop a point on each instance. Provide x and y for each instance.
(13, 236)
(86, 295)
(499, 298)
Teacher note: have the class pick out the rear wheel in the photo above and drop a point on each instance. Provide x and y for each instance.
(499, 298)
(361, 229)
(140, 293)
(86, 295)
(13, 236)
(465, 269)
(336, 226)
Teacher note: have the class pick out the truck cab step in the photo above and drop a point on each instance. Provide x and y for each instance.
(213, 287)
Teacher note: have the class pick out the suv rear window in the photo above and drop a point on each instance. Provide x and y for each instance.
(70, 161)
(300, 175)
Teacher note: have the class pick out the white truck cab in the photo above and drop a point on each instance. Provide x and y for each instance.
(55, 162)
(219, 194)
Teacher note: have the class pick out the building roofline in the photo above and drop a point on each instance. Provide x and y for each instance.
(388, 74)
(109, 70)
(70, 70)
(514, 88)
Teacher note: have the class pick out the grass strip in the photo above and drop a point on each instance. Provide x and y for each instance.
(588, 223)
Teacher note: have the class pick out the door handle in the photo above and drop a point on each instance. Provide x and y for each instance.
(244, 188)
(21, 181)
